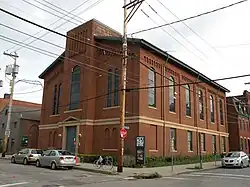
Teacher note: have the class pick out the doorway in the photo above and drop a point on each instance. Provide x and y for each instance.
(71, 139)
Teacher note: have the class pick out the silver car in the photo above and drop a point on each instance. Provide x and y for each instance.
(26, 156)
(56, 159)
(235, 159)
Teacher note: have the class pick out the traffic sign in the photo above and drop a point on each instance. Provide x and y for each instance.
(123, 133)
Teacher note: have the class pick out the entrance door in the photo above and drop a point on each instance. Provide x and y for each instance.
(71, 139)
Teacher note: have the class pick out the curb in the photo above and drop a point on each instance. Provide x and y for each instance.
(5, 158)
(96, 171)
(197, 170)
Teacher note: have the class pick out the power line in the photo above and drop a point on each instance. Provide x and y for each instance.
(192, 17)
(187, 26)
(45, 41)
(49, 12)
(233, 45)
(151, 7)
(58, 33)
(80, 5)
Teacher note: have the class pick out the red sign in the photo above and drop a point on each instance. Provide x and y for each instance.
(123, 133)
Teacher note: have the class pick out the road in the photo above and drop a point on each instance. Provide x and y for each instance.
(30, 176)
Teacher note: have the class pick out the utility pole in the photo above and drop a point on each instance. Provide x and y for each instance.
(134, 4)
(13, 71)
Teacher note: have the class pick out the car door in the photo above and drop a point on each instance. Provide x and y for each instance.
(51, 157)
(20, 156)
(244, 158)
(43, 159)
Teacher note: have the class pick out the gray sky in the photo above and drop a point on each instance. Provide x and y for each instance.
(225, 52)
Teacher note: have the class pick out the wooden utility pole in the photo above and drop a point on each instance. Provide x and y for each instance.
(13, 70)
(134, 4)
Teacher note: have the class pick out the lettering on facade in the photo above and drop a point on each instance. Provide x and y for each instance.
(186, 79)
(152, 62)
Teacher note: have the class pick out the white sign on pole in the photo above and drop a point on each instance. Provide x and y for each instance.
(7, 133)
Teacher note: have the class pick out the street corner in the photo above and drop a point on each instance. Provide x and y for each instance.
(195, 169)
(153, 175)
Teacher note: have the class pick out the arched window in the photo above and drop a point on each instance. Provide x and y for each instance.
(201, 105)
(58, 98)
(116, 89)
(115, 138)
(152, 91)
(221, 113)
(109, 96)
(54, 100)
(106, 134)
(171, 94)
(188, 100)
(211, 108)
(75, 88)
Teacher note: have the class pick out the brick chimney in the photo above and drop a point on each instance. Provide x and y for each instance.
(6, 96)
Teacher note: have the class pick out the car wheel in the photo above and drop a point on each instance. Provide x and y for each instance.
(25, 161)
(38, 163)
(241, 165)
(70, 167)
(13, 160)
(53, 165)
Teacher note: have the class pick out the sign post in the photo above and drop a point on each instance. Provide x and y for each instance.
(140, 150)
(172, 155)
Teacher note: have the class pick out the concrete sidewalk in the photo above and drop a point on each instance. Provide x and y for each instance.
(163, 171)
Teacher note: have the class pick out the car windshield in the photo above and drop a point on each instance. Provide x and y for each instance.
(234, 154)
(65, 153)
(36, 151)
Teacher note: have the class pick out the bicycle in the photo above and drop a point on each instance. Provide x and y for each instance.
(105, 163)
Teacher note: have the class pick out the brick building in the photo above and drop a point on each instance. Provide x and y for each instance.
(25, 119)
(238, 122)
(70, 120)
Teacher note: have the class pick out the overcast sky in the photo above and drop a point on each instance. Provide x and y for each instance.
(218, 47)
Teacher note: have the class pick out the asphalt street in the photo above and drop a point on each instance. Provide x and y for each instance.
(30, 176)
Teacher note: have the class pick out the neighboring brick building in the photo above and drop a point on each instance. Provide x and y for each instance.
(85, 125)
(25, 119)
(238, 122)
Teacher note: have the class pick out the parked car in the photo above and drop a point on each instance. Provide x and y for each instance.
(235, 159)
(56, 159)
(26, 156)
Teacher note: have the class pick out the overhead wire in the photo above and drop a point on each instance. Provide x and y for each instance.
(191, 17)
(173, 37)
(154, 10)
(77, 7)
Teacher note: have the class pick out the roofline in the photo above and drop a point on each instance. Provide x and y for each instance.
(41, 76)
(168, 56)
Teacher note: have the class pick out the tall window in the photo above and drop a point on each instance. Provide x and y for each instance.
(152, 91)
(188, 100)
(203, 141)
(54, 100)
(211, 109)
(201, 105)
(75, 88)
(173, 143)
(171, 95)
(109, 96)
(58, 98)
(245, 143)
(214, 143)
(190, 140)
(223, 144)
(221, 113)
(241, 144)
(116, 91)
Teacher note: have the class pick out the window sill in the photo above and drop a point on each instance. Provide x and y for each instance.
(174, 151)
(112, 107)
(188, 117)
(170, 112)
(152, 107)
(110, 150)
(70, 111)
(54, 115)
(190, 151)
(203, 151)
(153, 150)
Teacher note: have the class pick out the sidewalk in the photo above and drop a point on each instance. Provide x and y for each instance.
(163, 171)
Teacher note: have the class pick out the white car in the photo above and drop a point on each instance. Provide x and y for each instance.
(235, 159)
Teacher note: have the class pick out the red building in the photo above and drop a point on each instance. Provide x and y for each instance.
(238, 122)
(85, 125)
